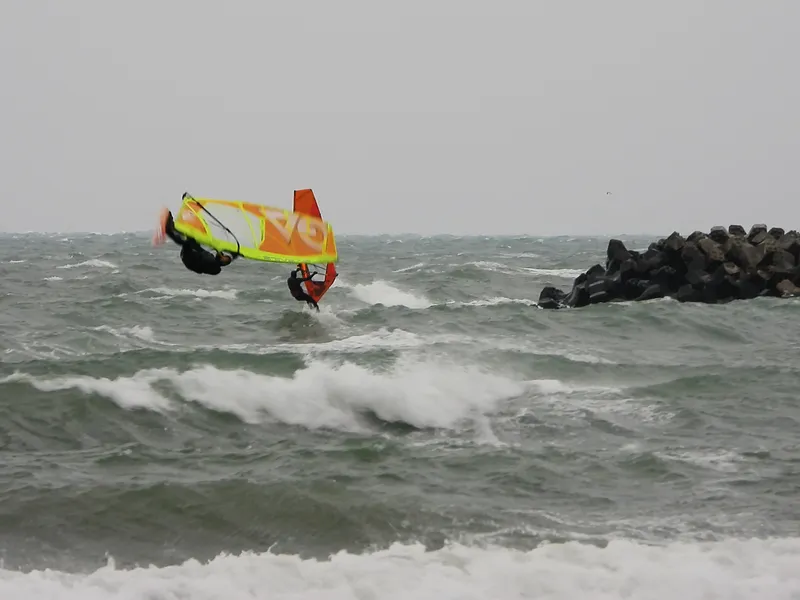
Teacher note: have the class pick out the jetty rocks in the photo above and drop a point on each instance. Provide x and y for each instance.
(714, 267)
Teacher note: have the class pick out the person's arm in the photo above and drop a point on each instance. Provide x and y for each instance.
(218, 255)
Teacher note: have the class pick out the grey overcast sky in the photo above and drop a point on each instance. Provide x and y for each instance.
(424, 116)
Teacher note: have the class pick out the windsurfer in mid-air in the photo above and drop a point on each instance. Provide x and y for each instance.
(294, 282)
(194, 256)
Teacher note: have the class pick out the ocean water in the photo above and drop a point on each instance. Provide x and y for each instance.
(430, 434)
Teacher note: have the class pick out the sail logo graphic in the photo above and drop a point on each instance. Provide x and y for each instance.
(311, 231)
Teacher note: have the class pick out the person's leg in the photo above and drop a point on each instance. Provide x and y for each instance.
(308, 300)
(175, 236)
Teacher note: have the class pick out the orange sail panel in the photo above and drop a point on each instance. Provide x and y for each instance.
(317, 289)
(306, 203)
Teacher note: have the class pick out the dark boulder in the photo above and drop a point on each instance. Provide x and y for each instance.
(688, 293)
(787, 289)
(734, 243)
(758, 238)
(712, 268)
(776, 232)
(790, 242)
(782, 261)
(718, 234)
(667, 277)
(632, 289)
(769, 243)
(745, 256)
(551, 297)
(617, 251)
(579, 280)
(695, 236)
(749, 287)
(696, 264)
(650, 260)
(691, 252)
(712, 250)
(723, 283)
(578, 297)
(731, 269)
(628, 270)
(674, 243)
(755, 230)
(602, 289)
(697, 278)
(595, 271)
(652, 291)
(775, 274)
(616, 254)
(737, 230)
(766, 251)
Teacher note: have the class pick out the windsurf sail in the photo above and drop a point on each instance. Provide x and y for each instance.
(257, 232)
(306, 204)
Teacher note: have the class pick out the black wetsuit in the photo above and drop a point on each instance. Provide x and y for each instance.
(297, 291)
(194, 256)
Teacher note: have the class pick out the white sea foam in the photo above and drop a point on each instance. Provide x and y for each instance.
(562, 273)
(126, 392)
(326, 395)
(488, 265)
(140, 332)
(94, 262)
(496, 301)
(320, 395)
(198, 293)
(386, 294)
(726, 570)
(415, 267)
(726, 461)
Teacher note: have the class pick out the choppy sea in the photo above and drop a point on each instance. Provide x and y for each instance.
(429, 434)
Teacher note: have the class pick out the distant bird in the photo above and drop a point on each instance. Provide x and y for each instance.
(608, 193)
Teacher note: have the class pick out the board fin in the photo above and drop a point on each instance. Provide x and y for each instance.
(306, 203)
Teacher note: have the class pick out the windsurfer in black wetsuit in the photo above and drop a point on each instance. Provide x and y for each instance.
(194, 256)
(294, 282)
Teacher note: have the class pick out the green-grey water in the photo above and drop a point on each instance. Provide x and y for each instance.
(430, 433)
